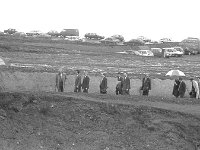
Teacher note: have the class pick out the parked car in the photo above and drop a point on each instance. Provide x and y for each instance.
(165, 40)
(172, 52)
(190, 51)
(93, 36)
(10, 31)
(179, 49)
(144, 53)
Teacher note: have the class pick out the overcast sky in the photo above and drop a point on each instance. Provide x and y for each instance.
(155, 19)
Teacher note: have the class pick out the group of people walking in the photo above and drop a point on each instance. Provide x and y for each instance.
(180, 88)
(123, 86)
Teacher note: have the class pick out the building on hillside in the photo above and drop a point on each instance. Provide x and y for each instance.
(69, 32)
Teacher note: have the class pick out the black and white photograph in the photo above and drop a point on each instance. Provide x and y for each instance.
(99, 75)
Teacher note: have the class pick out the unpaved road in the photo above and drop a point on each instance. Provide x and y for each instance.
(137, 101)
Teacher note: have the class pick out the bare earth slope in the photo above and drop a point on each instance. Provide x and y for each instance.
(66, 121)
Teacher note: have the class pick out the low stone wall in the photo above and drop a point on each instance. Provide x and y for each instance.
(22, 81)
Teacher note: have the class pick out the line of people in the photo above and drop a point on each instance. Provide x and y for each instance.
(180, 88)
(123, 86)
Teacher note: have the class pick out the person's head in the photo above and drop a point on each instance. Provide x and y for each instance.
(180, 78)
(77, 71)
(176, 80)
(147, 75)
(85, 73)
(125, 74)
(103, 74)
(60, 70)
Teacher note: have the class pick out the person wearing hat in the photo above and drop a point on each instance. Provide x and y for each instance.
(194, 93)
(85, 83)
(103, 84)
(126, 85)
(181, 88)
(60, 80)
(146, 85)
(77, 86)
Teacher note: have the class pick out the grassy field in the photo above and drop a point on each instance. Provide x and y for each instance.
(49, 55)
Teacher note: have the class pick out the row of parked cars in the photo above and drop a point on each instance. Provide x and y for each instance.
(159, 52)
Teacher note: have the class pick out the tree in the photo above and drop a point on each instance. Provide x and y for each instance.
(118, 37)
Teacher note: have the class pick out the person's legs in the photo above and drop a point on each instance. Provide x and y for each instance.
(79, 89)
(127, 92)
(75, 89)
(117, 91)
(181, 95)
(145, 92)
(85, 90)
(103, 91)
(61, 88)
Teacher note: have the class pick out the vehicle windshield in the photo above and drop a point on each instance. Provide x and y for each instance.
(169, 50)
(143, 52)
(178, 49)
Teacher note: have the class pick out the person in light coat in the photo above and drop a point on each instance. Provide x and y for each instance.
(199, 86)
(60, 80)
(194, 93)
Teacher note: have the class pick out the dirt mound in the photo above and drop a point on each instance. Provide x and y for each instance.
(34, 122)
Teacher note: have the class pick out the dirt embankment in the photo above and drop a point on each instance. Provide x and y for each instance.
(42, 121)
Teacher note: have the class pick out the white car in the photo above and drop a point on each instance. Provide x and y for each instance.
(165, 40)
(172, 52)
(144, 53)
(180, 50)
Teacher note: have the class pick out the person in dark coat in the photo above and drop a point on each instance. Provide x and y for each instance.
(182, 88)
(60, 81)
(85, 83)
(77, 87)
(119, 85)
(175, 88)
(103, 84)
(146, 85)
(125, 85)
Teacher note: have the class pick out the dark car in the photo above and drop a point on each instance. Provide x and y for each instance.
(190, 51)
(93, 36)
(10, 31)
